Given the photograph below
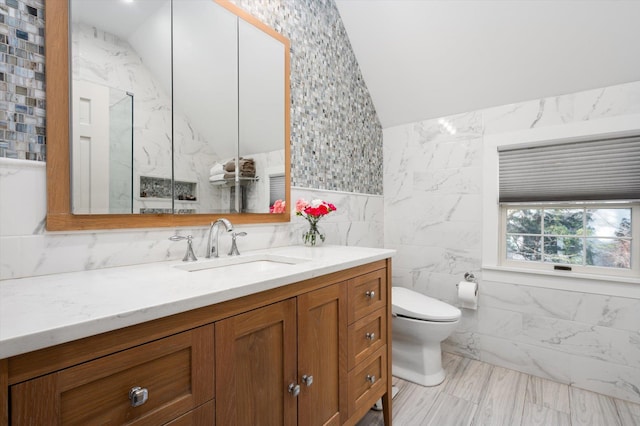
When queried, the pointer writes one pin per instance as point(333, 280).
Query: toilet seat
point(411, 304)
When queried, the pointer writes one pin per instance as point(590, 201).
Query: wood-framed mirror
point(60, 199)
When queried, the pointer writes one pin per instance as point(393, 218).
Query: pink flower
point(301, 204)
point(278, 207)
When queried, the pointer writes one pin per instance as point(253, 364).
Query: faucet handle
point(189, 255)
point(234, 245)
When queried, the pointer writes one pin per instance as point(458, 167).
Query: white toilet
point(420, 323)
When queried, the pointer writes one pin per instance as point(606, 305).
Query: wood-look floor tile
point(589, 408)
point(413, 402)
point(503, 399)
point(450, 364)
point(629, 412)
point(447, 410)
point(547, 393)
point(540, 401)
point(469, 380)
point(538, 415)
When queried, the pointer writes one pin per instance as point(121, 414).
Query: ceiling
point(425, 59)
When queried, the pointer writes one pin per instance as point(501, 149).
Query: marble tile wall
point(27, 250)
point(433, 217)
point(334, 127)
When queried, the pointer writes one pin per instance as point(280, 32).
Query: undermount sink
point(249, 264)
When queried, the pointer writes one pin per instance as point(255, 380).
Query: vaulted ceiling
point(424, 59)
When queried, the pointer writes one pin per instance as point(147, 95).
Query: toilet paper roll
point(468, 294)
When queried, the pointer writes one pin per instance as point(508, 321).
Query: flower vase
point(313, 236)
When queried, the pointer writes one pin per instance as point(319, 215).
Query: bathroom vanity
point(281, 337)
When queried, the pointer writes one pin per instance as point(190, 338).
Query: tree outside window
point(571, 236)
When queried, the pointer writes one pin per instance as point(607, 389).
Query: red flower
point(315, 209)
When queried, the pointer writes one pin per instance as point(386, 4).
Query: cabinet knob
point(294, 389)
point(370, 336)
point(138, 396)
point(308, 380)
point(371, 379)
point(370, 294)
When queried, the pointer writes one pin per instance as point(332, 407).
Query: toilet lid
point(409, 303)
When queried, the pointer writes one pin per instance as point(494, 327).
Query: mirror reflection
point(177, 107)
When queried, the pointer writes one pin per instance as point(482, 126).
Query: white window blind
point(603, 169)
point(276, 188)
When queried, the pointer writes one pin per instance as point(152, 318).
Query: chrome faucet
point(234, 244)
point(212, 240)
point(189, 256)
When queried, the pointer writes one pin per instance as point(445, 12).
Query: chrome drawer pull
point(371, 379)
point(138, 396)
point(370, 294)
point(294, 389)
point(370, 336)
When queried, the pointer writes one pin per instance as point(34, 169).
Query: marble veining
point(28, 250)
point(433, 207)
point(42, 311)
point(104, 59)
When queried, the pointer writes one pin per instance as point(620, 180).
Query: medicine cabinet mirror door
point(163, 94)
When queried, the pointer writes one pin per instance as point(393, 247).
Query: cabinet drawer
point(203, 415)
point(367, 381)
point(367, 293)
point(177, 373)
point(365, 336)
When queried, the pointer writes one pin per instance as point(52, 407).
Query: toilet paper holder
point(468, 292)
point(469, 277)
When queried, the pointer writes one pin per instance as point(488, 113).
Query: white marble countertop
point(39, 312)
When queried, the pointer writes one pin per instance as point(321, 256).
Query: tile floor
point(477, 393)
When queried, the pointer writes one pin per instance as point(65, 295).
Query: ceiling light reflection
point(447, 126)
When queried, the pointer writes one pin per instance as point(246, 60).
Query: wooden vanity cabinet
point(166, 378)
point(285, 364)
point(368, 344)
point(315, 352)
point(322, 356)
point(256, 362)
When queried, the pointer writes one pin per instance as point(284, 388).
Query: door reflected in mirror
point(177, 107)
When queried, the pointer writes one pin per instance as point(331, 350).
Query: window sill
point(569, 281)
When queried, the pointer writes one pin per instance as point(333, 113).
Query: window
point(571, 205)
point(596, 238)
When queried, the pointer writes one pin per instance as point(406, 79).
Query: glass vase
point(313, 236)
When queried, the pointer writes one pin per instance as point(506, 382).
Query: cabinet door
point(322, 336)
point(255, 364)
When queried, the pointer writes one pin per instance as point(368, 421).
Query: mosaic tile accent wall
point(22, 96)
point(336, 136)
